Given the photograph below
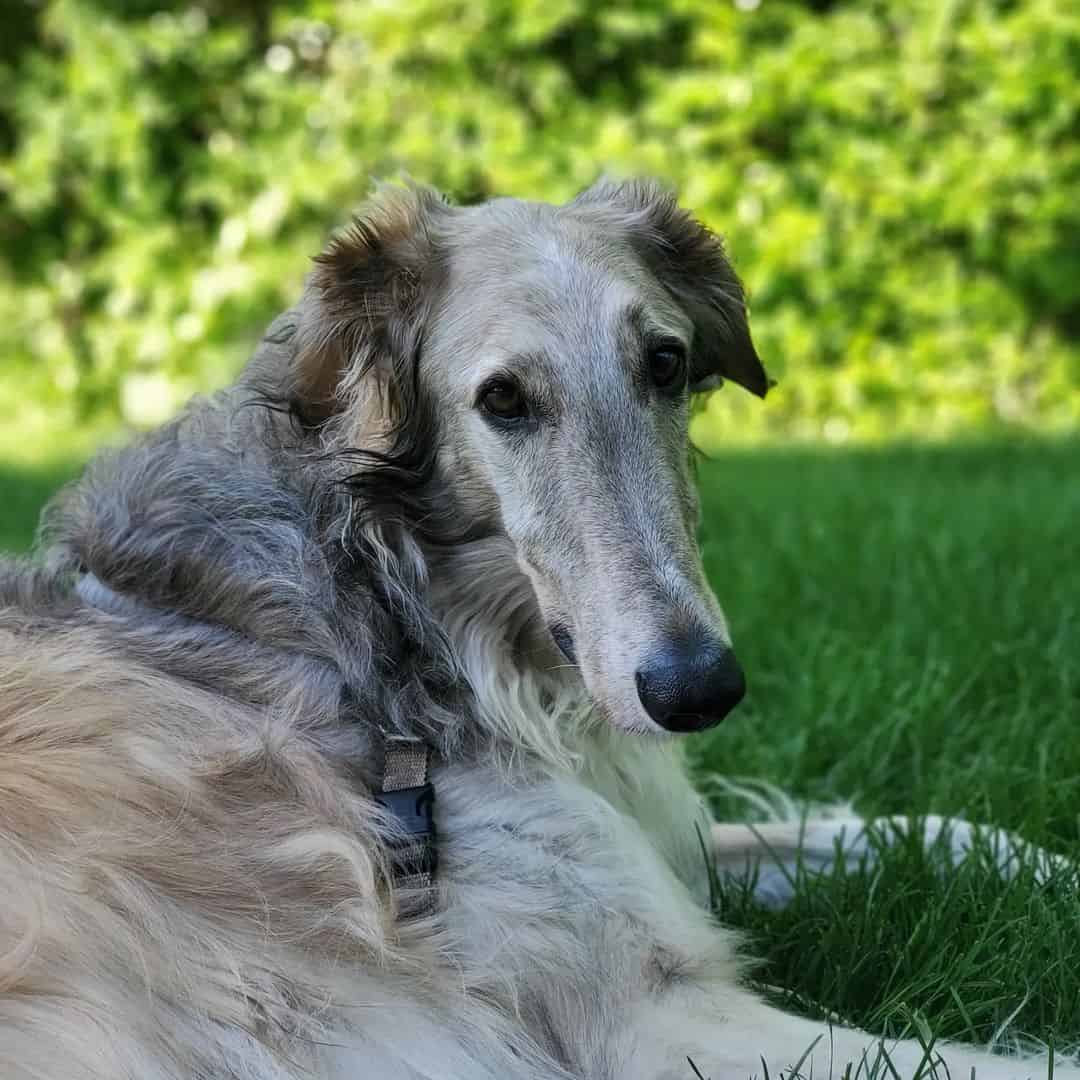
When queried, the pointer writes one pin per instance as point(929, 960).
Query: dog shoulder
point(160, 843)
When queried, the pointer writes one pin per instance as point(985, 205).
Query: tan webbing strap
point(405, 763)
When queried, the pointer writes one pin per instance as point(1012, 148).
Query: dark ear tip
point(754, 377)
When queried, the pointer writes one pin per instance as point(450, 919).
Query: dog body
point(450, 500)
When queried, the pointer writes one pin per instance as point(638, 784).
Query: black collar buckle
point(413, 810)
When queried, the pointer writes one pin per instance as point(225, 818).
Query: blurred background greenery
point(899, 184)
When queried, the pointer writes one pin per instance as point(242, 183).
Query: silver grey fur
point(192, 879)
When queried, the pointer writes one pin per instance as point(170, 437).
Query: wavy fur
point(196, 669)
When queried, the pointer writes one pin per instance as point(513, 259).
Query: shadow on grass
point(24, 490)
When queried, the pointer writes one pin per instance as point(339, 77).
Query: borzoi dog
point(335, 716)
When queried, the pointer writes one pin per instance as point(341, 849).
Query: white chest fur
point(571, 904)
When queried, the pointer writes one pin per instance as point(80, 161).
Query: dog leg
point(774, 851)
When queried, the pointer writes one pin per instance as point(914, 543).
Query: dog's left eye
point(502, 398)
point(667, 364)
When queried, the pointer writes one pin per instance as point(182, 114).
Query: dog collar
point(409, 797)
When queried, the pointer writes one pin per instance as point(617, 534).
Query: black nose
point(690, 686)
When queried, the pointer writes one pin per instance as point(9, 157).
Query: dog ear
point(689, 260)
point(364, 306)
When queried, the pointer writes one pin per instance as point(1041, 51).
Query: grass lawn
point(23, 490)
point(910, 623)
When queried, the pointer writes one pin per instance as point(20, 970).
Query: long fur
point(197, 671)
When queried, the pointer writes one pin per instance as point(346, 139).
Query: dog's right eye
point(667, 362)
point(503, 399)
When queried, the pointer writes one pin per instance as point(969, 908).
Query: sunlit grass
point(910, 623)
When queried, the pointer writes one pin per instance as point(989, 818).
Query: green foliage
point(898, 182)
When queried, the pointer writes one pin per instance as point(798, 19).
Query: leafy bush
point(899, 184)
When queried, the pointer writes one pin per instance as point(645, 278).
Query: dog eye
point(503, 398)
point(667, 364)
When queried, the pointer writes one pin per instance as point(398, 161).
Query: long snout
point(625, 596)
point(690, 684)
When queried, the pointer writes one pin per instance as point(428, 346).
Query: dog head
point(534, 364)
